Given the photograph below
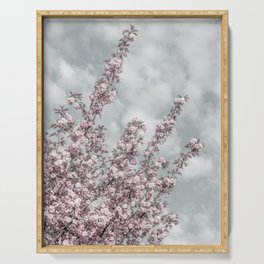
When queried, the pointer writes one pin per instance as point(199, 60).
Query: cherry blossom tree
point(96, 196)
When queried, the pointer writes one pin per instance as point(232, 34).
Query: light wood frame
point(157, 249)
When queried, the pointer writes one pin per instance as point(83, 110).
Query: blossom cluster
point(94, 196)
point(104, 92)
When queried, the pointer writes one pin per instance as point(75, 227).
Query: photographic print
point(132, 132)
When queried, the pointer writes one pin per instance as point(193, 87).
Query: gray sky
point(169, 57)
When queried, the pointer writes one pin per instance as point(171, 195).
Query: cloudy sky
point(169, 57)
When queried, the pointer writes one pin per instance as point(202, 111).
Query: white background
point(18, 130)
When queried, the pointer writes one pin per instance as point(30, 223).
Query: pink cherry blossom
point(93, 196)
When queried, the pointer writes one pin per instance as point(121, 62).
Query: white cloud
point(195, 228)
point(198, 167)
